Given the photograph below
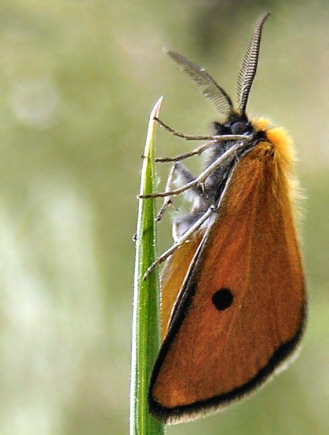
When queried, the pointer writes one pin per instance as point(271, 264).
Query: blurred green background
point(77, 82)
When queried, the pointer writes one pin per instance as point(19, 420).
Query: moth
point(233, 293)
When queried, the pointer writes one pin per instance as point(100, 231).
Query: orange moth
point(233, 298)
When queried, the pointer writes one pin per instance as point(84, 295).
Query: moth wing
point(212, 356)
point(172, 277)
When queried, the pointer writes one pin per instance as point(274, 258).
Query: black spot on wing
point(222, 299)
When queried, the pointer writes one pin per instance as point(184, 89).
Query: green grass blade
point(146, 324)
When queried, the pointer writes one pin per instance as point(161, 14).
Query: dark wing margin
point(249, 65)
point(211, 90)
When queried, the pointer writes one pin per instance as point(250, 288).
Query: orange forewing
point(172, 277)
point(212, 357)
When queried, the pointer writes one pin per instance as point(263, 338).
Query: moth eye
point(222, 299)
point(239, 127)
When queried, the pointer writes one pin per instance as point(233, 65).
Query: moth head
point(234, 125)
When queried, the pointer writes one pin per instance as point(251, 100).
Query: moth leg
point(196, 151)
point(197, 182)
point(182, 240)
point(185, 177)
point(216, 138)
point(167, 201)
point(199, 150)
point(185, 136)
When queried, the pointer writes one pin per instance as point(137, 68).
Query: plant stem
point(146, 324)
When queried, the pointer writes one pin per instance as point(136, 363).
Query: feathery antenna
point(249, 65)
point(211, 90)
